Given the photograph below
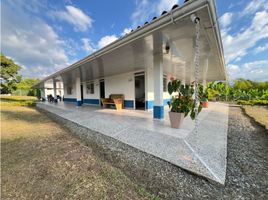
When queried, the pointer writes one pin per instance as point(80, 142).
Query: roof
point(166, 18)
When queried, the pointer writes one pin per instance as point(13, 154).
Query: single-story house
point(140, 64)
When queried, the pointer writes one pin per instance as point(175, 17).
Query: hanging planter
point(182, 103)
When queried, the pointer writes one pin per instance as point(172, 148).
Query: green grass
point(18, 100)
point(41, 160)
point(253, 102)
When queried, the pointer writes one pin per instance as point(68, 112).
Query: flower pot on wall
point(176, 119)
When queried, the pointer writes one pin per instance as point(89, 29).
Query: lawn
point(41, 160)
point(259, 113)
point(17, 100)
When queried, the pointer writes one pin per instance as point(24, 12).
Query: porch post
point(78, 91)
point(54, 88)
point(158, 86)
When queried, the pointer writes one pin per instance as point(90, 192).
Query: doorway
point(102, 89)
point(82, 93)
point(140, 91)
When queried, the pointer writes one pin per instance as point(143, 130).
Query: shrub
point(253, 102)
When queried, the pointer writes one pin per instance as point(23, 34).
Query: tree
point(26, 86)
point(9, 75)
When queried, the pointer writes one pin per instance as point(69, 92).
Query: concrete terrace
point(203, 153)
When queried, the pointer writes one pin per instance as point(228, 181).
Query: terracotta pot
point(204, 104)
point(176, 119)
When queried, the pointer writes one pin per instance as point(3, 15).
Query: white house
point(139, 64)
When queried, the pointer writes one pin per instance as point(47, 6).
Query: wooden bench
point(116, 100)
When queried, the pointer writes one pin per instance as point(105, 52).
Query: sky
point(44, 36)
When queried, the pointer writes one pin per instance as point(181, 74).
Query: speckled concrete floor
point(203, 153)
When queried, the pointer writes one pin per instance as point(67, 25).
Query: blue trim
point(69, 99)
point(165, 102)
point(158, 112)
point(128, 103)
point(92, 101)
point(149, 105)
point(79, 103)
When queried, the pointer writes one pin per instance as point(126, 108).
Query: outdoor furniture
point(116, 100)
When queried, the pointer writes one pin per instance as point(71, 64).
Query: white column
point(158, 86)
point(78, 91)
point(54, 88)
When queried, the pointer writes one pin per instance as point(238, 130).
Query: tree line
point(12, 82)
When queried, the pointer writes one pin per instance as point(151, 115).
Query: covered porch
point(203, 153)
point(163, 47)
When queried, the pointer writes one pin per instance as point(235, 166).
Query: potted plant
point(203, 96)
point(181, 103)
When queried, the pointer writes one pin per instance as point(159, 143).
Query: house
point(139, 64)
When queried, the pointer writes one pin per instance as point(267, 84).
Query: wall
point(121, 84)
point(70, 97)
point(93, 99)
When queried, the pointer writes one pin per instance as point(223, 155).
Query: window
point(164, 83)
point(69, 90)
point(90, 88)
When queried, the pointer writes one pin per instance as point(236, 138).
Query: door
point(82, 94)
point(102, 89)
point(140, 92)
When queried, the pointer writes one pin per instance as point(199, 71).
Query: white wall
point(121, 84)
point(96, 94)
point(73, 95)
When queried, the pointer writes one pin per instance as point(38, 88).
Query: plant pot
point(204, 104)
point(176, 119)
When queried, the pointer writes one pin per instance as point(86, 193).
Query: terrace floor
point(203, 153)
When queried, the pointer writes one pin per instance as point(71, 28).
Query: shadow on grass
point(31, 117)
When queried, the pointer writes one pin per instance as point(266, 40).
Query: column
point(78, 91)
point(54, 88)
point(158, 109)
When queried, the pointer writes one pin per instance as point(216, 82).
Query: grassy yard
point(40, 160)
point(259, 113)
point(17, 100)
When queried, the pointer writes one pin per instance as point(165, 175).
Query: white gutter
point(162, 21)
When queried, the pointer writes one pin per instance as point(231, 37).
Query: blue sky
point(44, 36)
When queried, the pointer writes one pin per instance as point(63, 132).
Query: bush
point(18, 101)
point(253, 102)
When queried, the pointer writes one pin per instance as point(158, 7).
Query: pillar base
point(79, 103)
point(158, 112)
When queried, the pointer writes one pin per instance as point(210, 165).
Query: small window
point(90, 88)
point(164, 83)
point(69, 90)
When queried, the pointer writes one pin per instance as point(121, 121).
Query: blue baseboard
point(150, 104)
point(158, 112)
point(79, 103)
point(128, 103)
point(69, 100)
point(92, 101)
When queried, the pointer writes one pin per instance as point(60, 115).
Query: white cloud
point(255, 6)
point(88, 45)
point(31, 42)
point(261, 48)
point(125, 31)
point(146, 9)
point(256, 70)
point(104, 41)
point(75, 17)
point(237, 45)
point(226, 19)
point(165, 5)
